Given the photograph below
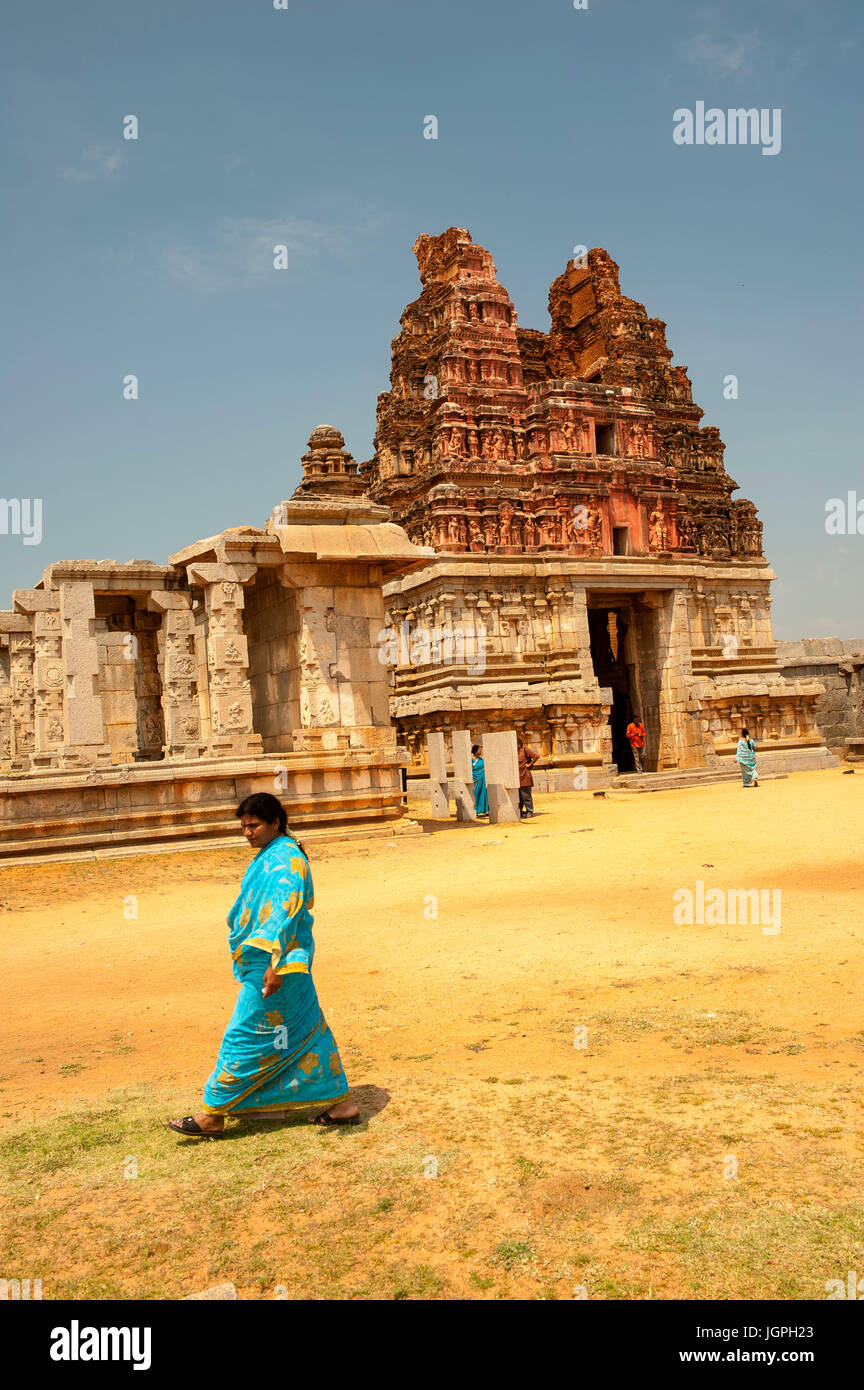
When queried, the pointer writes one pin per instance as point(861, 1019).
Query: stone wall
point(838, 663)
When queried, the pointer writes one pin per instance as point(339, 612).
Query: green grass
point(624, 1195)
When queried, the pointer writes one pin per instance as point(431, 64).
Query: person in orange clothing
point(636, 739)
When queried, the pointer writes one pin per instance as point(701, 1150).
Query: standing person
point(478, 768)
point(745, 756)
point(636, 739)
point(527, 759)
point(277, 1052)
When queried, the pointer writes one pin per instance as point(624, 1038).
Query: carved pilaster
point(178, 674)
point(22, 701)
point(5, 701)
point(49, 685)
point(227, 658)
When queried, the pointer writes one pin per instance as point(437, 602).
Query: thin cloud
point(240, 252)
point(96, 162)
point(724, 58)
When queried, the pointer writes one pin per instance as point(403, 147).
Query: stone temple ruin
point(589, 551)
point(545, 505)
point(139, 701)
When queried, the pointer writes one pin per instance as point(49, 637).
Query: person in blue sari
point(478, 768)
point(745, 756)
point(278, 1053)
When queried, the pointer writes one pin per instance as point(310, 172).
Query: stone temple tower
point(587, 535)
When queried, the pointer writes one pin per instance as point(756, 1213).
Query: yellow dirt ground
point(707, 1142)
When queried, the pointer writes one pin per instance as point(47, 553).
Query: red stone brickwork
point(583, 441)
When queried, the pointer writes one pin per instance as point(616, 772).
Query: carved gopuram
point(591, 556)
point(139, 701)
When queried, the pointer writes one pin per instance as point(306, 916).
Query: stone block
point(462, 763)
point(503, 802)
point(356, 664)
point(359, 603)
point(355, 703)
point(437, 757)
point(463, 792)
point(501, 759)
point(49, 673)
point(351, 630)
point(47, 624)
point(380, 704)
point(228, 649)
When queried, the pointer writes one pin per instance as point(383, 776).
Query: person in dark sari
point(278, 1053)
point(478, 769)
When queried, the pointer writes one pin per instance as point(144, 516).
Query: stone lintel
point(35, 600)
point(14, 622)
point(108, 576)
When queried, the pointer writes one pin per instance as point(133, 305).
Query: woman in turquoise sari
point(278, 1053)
point(478, 768)
point(746, 759)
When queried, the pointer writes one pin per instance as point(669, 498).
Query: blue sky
point(305, 126)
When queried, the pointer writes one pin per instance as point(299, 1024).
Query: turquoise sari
point(746, 758)
point(277, 1053)
point(481, 800)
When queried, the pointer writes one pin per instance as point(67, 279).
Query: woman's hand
point(272, 982)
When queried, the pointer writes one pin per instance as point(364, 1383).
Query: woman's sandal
point(190, 1126)
point(325, 1118)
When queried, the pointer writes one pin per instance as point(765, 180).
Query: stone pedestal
point(438, 797)
point(463, 777)
point(502, 776)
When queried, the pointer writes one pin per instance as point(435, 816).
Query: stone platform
point(160, 806)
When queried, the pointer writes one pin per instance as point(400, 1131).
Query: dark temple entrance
point(610, 629)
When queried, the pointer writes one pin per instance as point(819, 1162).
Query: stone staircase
point(676, 778)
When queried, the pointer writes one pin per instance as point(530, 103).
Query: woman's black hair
point(475, 747)
point(744, 733)
point(266, 807)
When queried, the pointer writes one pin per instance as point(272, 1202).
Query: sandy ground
point(470, 959)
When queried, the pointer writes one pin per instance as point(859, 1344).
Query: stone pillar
point(232, 731)
point(5, 701)
point(320, 674)
point(438, 797)
point(49, 681)
point(177, 669)
point(355, 619)
point(701, 623)
point(582, 637)
point(41, 610)
point(681, 743)
point(463, 775)
point(21, 701)
point(502, 776)
point(85, 727)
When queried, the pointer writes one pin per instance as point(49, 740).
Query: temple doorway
point(271, 621)
point(127, 642)
point(630, 655)
point(610, 646)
